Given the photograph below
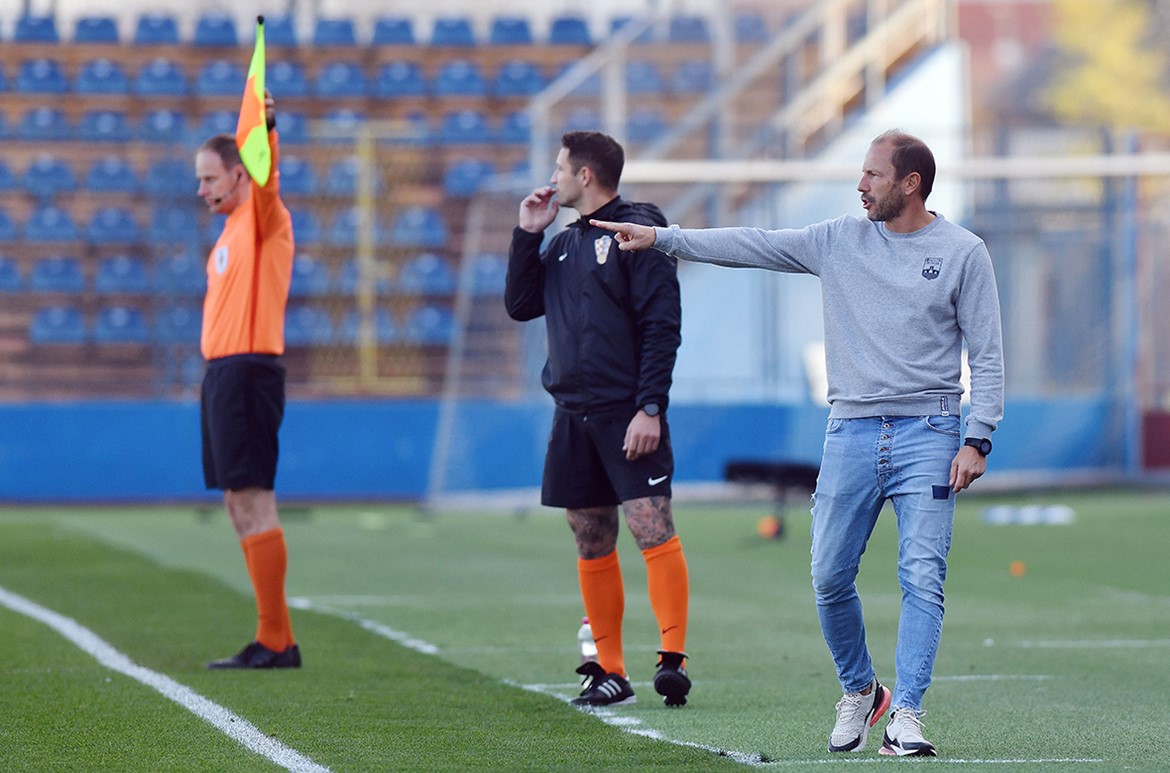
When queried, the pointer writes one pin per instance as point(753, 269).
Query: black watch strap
point(980, 444)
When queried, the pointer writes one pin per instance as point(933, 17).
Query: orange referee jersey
point(248, 274)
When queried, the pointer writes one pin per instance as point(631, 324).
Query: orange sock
point(605, 604)
point(669, 586)
point(267, 559)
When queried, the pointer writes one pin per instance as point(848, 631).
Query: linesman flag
point(252, 129)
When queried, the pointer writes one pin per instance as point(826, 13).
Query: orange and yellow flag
point(252, 129)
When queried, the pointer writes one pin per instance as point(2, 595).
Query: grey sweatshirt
point(897, 308)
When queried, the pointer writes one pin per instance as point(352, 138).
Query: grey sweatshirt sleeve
point(979, 321)
point(793, 251)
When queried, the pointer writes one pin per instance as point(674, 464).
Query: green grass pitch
point(1060, 666)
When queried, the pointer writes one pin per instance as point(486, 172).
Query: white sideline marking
point(374, 627)
point(232, 725)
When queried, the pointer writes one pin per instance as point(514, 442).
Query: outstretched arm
point(630, 236)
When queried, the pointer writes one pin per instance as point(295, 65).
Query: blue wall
point(356, 449)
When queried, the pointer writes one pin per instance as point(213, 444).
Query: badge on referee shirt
point(601, 248)
point(221, 259)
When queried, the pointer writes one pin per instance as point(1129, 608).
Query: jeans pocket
point(835, 426)
point(943, 425)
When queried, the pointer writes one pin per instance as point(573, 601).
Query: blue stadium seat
point(41, 76)
point(111, 175)
point(418, 226)
point(50, 223)
point(342, 79)
point(286, 79)
point(45, 123)
point(460, 77)
point(218, 122)
point(510, 31)
point(645, 125)
point(95, 29)
point(7, 179)
point(170, 178)
point(58, 325)
point(581, 119)
point(297, 178)
point(306, 228)
point(693, 76)
point(120, 325)
point(515, 128)
point(101, 76)
point(385, 328)
point(47, 176)
point(212, 230)
point(156, 29)
point(219, 78)
point(400, 79)
point(104, 126)
point(310, 277)
point(393, 31)
point(750, 27)
point(618, 22)
point(181, 274)
point(348, 280)
point(215, 29)
point(341, 179)
point(343, 231)
point(591, 87)
point(414, 129)
point(644, 77)
point(112, 225)
point(488, 272)
point(688, 29)
point(426, 274)
point(518, 78)
point(342, 126)
point(178, 324)
point(7, 227)
point(293, 127)
point(334, 32)
point(280, 31)
point(161, 78)
point(464, 127)
point(3, 87)
point(570, 31)
point(430, 325)
point(173, 225)
point(11, 279)
point(162, 126)
point(58, 274)
point(452, 31)
point(307, 326)
point(36, 29)
point(465, 177)
point(122, 274)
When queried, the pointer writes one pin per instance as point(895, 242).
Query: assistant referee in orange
point(242, 404)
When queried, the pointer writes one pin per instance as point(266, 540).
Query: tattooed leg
point(650, 521)
point(595, 529)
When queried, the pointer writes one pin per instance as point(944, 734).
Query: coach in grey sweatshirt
point(903, 289)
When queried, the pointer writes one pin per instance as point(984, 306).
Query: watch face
point(650, 409)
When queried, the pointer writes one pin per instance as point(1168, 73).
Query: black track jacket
point(613, 317)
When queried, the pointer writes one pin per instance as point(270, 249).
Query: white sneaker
point(903, 736)
point(856, 714)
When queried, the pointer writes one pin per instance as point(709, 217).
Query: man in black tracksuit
point(613, 322)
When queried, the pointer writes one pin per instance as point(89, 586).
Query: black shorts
point(586, 467)
point(241, 409)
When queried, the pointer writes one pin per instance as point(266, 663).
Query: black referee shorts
point(241, 410)
point(586, 467)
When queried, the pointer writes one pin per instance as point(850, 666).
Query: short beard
point(888, 209)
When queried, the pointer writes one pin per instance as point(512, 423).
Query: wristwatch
point(980, 444)
point(650, 409)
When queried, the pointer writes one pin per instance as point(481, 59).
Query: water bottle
point(585, 642)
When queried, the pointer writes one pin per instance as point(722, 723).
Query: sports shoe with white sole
point(856, 714)
point(603, 689)
point(903, 737)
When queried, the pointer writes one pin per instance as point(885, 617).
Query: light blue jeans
point(906, 459)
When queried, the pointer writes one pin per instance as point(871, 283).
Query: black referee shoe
point(603, 689)
point(671, 681)
point(256, 655)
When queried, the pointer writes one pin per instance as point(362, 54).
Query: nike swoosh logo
point(562, 257)
point(656, 481)
point(671, 628)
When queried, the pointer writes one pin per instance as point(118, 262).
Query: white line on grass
point(232, 725)
point(374, 627)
